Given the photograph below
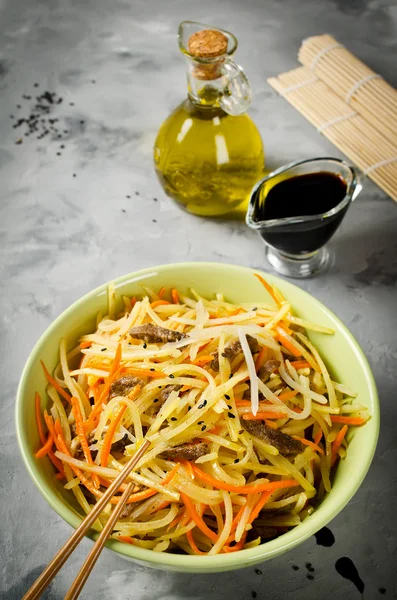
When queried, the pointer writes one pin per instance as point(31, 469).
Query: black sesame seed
point(12, 117)
point(156, 400)
point(189, 408)
point(201, 405)
point(241, 431)
point(230, 376)
point(123, 210)
point(258, 572)
point(71, 103)
point(255, 308)
point(382, 590)
point(103, 349)
point(152, 369)
point(128, 196)
point(154, 220)
point(65, 131)
point(145, 345)
point(310, 577)
point(236, 461)
point(155, 199)
point(19, 106)
point(254, 594)
point(59, 154)
point(230, 407)
point(227, 397)
point(172, 376)
point(62, 146)
point(200, 422)
point(174, 419)
point(36, 85)
point(231, 415)
point(203, 428)
point(93, 81)
point(74, 174)
point(136, 193)
point(295, 567)
point(309, 567)
point(82, 122)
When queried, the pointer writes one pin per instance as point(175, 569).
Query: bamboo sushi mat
point(349, 104)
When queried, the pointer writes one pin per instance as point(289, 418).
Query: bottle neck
point(206, 83)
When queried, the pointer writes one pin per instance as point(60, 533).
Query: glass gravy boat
point(295, 245)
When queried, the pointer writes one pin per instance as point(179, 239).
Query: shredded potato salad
point(244, 421)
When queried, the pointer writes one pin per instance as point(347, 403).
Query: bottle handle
point(237, 95)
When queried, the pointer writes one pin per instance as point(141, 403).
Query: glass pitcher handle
point(237, 94)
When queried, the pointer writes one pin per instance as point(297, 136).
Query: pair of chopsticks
point(63, 554)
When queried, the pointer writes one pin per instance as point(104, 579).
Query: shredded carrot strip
point(60, 476)
point(192, 543)
point(286, 343)
point(248, 403)
point(61, 445)
point(85, 345)
point(133, 301)
point(239, 546)
point(144, 373)
point(188, 466)
point(268, 288)
point(271, 424)
point(309, 443)
point(203, 360)
point(54, 383)
point(175, 296)
point(263, 415)
point(159, 303)
point(126, 538)
point(162, 505)
point(337, 443)
point(347, 420)
point(37, 408)
point(170, 476)
point(135, 497)
point(318, 437)
point(260, 504)
point(217, 429)
point(243, 489)
point(186, 388)
point(197, 519)
point(175, 521)
point(300, 364)
point(162, 292)
point(55, 461)
point(46, 448)
point(260, 359)
point(114, 371)
point(107, 441)
point(82, 437)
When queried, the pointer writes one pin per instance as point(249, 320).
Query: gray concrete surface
point(62, 235)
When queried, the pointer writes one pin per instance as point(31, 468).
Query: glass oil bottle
point(209, 154)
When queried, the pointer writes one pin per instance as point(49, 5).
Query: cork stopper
point(207, 43)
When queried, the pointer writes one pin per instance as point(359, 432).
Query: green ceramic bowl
point(342, 354)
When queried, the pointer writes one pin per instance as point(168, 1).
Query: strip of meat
point(264, 373)
point(233, 350)
point(284, 443)
point(268, 368)
point(186, 451)
point(123, 386)
point(165, 392)
point(155, 334)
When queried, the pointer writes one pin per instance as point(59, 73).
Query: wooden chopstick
point(63, 554)
point(93, 556)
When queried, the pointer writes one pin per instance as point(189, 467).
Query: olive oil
point(207, 159)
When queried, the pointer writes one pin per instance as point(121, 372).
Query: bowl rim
point(189, 563)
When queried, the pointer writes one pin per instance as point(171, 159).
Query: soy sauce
point(301, 196)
